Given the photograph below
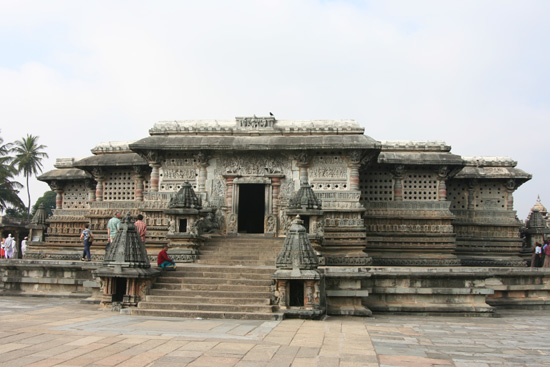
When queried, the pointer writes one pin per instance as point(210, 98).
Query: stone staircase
point(232, 280)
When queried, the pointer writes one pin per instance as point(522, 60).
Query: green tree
point(48, 199)
point(28, 159)
point(9, 189)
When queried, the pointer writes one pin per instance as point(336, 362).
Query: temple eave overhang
point(64, 175)
point(111, 160)
point(255, 143)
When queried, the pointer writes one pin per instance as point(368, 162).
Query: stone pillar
point(398, 178)
point(276, 184)
point(471, 194)
point(510, 188)
point(354, 165)
point(59, 198)
point(90, 185)
point(303, 164)
point(229, 193)
point(155, 176)
point(99, 176)
point(138, 183)
point(202, 158)
point(442, 176)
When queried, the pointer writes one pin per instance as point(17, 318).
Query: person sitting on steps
point(164, 261)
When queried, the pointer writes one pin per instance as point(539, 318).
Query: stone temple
point(368, 207)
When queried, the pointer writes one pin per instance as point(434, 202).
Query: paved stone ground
point(59, 332)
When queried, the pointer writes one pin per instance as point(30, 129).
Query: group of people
point(541, 255)
point(113, 226)
point(9, 249)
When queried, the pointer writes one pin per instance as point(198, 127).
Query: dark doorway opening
point(296, 296)
point(183, 225)
point(120, 289)
point(251, 208)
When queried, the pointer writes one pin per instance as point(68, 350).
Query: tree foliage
point(48, 199)
point(9, 188)
point(28, 159)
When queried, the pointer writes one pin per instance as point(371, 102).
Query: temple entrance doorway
point(251, 208)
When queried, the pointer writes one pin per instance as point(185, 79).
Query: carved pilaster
point(472, 184)
point(276, 184)
point(90, 186)
point(99, 177)
point(442, 177)
point(397, 173)
point(155, 176)
point(138, 183)
point(58, 188)
point(303, 162)
point(202, 159)
point(229, 193)
point(510, 188)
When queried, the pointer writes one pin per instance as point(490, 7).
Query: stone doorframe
point(272, 184)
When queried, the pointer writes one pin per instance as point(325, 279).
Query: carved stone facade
point(391, 203)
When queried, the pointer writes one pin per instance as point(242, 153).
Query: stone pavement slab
point(62, 332)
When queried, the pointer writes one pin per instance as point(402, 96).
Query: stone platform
point(462, 291)
point(62, 332)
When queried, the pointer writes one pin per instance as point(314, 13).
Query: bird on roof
point(270, 114)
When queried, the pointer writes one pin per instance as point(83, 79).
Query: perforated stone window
point(420, 187)
point(328, 171)
point(119, 185)
point(376, 186)
point(490, 195)
point(457, 192)
point(75, 195)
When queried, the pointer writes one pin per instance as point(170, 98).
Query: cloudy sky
point(472, 73)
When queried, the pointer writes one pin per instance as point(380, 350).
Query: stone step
point(207, 307)
point(213, 293)
point(213, 300)
point(208, 314)
point(236, 262)
point(224, 275)
point(211, 287)
point(189, 268)
point(212, 280)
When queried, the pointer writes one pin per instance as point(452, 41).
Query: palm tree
point(9, 189)
point(28, 159)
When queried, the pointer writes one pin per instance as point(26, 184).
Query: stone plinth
point(411, 233)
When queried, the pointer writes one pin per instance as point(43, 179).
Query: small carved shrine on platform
point(183, 230)
point(126, 272)
point(38, 226)
point(306, 204)
point(299, 285)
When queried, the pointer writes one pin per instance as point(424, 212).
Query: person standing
point(9, 245)
point(112, 229)
point(24, 246)
point(3, 248)
point(87, 236)
point(141, 227)
point(164, 261)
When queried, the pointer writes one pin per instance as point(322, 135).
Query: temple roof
point(418, 153)
point(64, 174)
point(259, 142)
point(111, 160)
point(492, 167)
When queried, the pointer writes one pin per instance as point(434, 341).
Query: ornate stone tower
point(298, 283)
point(125, 272)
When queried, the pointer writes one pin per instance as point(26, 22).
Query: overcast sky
point(474, 74)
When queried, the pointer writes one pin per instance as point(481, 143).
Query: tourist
point(87, 236)
point(537, 258)
point(24, 246)
point(546, 252)
point(164, 261)
point(112, 228)
point(141, 227)
point(9, 246)
point(2, 248)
